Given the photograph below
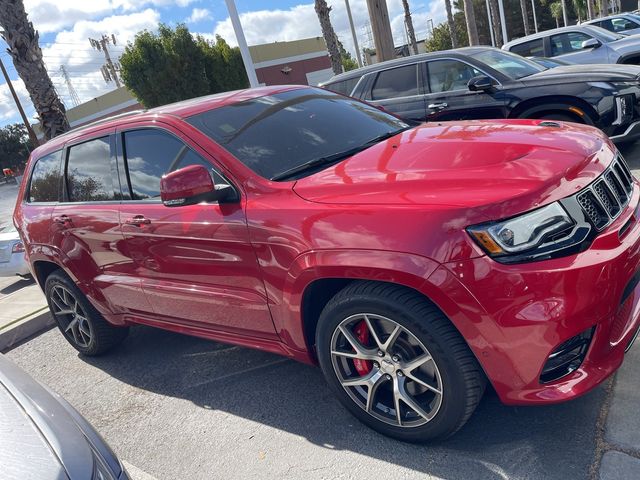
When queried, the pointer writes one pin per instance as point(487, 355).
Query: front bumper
point(516, 315)
point(631, 133)
point(17, 265)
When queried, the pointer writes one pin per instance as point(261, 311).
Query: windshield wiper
point(336, 157)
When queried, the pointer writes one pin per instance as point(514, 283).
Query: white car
point(623, 23)
point(12, 261)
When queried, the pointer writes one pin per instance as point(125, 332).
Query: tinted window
point(397, 82)
point(345, 87)
point(45, 180)
point(152, 153)
point(89, 176)
point(278, 132)
point(533, 48)
point(447, 75)
point(621, 24)
point(567, 43)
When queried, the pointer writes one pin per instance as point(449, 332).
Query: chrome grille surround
point(605, 198)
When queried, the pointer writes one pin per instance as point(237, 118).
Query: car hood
point(585, 73)
point(499, 168)
point(630, 44)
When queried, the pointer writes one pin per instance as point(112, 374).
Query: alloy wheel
point(386, 370)
point(70, 314)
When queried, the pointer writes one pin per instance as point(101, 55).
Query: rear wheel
point(397, 363)
point(80, 323)
point(563, 117)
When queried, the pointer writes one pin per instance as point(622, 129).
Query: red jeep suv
point(413, 264)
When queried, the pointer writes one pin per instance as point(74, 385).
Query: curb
point(24, 327)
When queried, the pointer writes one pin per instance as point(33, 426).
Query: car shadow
point(17, 285)
point(498, 442)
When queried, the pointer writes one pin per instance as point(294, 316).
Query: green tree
point(14, 146)
point(556, 12)
point(440, 38)
point(223, 65)
point(348, 62)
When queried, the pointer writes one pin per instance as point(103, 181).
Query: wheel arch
point(556, 104)
point(42, 269)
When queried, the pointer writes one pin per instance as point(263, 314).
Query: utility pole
point(353, 34)
point(75, 99)
point(535, 19)
point(382, 36)
point(242, 43)
point(564, 12)
point(109, 69)
point(493, 37)
point(32, 134)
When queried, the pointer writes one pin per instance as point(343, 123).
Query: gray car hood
point(586, 73)
point(630, 44)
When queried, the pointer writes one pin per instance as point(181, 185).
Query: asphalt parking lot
point(176, 407)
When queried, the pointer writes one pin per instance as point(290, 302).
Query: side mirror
point(591, 43)
point(480, 83)
point(191, 185)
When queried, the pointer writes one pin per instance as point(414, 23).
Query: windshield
point(277, 133)
point(605, 36)
point(509, 64)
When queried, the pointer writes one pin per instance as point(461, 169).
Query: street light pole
point(242, 43)
point(535, 20)
point(503, 21)
point(493, 37)
point(353, 34)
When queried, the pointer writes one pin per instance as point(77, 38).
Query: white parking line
point(137, 474)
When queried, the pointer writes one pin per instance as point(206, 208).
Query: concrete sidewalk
point(621, 440)
point(23, 310)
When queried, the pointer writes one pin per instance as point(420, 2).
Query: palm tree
point(556, 12)
point(409, 23)
point(580, 8)
point(525, 17)
point(495, 19)
point(591, 9)
point(470, 18)
point(24, 49)
point(604, 6)
point(451, 23)
point(322, 10)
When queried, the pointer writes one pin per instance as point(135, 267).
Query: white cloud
point(8, 110)
point(301, 21)
point(198, 15)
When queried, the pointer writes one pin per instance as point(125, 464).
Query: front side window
point(507, 63)
point(88, 172)
point(150, 153)
point(45, 179)
point(275, 133)
point(448, 75)
point(396, 82)
point(567, 43)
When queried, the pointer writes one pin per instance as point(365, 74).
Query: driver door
point(449, 97)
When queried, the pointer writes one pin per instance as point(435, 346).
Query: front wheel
point(396, 362)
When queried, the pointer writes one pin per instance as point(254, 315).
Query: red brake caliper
point(362, 334)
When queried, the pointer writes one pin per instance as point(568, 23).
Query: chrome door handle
point(62, 220)
point(438, 106)
point(137, 221)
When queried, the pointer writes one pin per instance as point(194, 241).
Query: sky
point(66, 25)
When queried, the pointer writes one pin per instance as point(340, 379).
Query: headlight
point(624, 109)
point(546, 226)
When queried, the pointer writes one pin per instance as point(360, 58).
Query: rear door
point(196, 263)
point(398, 90)
point(87, 225)
point(449, 97)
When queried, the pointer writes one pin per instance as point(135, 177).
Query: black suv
point(484, 82)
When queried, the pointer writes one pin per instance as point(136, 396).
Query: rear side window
point(45, 179)
point(88, 172)
point(533, 48)
point(344, 87)
point(152, 153)
point(396, 82)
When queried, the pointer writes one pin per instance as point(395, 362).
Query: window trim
point(122, 160)
point(65, 198)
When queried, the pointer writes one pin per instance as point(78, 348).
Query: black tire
point(462, 380)
point(102, 335)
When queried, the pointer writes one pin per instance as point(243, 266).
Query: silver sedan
point(12, 261)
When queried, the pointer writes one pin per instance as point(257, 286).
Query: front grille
point(607, 197)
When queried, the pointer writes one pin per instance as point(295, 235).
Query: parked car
point(413, 264)
point(12, 259)
point(484, 82)
point(622, 23)
point(44, 437)
point(582, 44)
point(549, 62)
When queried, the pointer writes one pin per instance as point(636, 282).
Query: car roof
point(546, 33)
point(183, 109)
point(617, 15)
point(458, 52)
